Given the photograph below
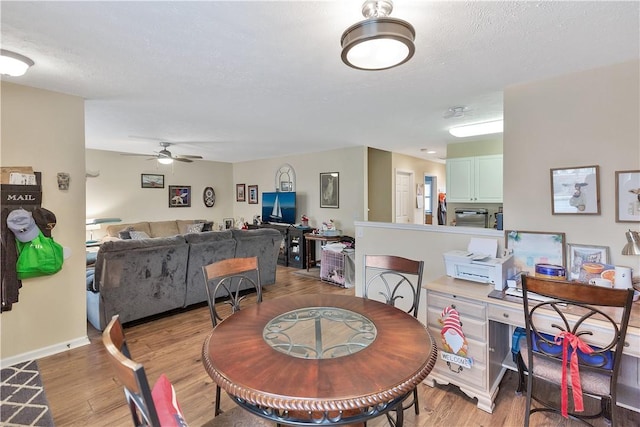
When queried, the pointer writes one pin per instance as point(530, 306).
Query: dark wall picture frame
point(329, 190)
point(253, 194)
point(241, 193)
point(628, 196)
point(149, 180)
point(179, 196)
point(535, 247)
point(575, 190)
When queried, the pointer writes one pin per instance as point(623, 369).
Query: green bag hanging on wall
point(41, 256)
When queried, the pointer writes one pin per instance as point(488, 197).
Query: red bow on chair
point(576, 344)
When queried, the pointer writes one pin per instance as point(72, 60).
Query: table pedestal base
point(324, 418)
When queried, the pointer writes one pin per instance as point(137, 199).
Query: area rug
point(22, 398)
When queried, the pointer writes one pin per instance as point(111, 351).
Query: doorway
point(430, 199)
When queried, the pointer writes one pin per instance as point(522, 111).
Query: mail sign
point(21, 195)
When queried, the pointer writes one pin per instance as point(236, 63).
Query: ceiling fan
point(165, 157)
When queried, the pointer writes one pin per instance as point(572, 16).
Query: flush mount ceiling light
point(476, 129)
point(378, 42)
point(13, 64)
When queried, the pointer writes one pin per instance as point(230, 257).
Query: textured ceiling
point(238, 80)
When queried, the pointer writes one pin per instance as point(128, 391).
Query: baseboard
point(44, 351)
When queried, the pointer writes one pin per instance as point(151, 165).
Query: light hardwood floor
point(83, 392)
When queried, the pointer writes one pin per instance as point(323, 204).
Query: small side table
point(309, 237)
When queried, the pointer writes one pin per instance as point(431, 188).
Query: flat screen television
point(279, 207)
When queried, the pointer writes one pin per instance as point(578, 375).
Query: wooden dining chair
point(227, 279)
point(557, 352)
point(149, 407)
point(395, 281)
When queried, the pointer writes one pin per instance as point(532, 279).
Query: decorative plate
point(209, 197)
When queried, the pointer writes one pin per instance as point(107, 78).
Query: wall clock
point(209, 197)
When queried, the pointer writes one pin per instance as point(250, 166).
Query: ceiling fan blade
point(179, 159)
point(135, 154)
point(188, 157)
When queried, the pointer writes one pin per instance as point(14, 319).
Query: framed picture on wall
point(179, 196)
point(149, 180)
point(575, 191)
point(240, 193)
point(329, 189)
point(628, 196)
point(253, 194)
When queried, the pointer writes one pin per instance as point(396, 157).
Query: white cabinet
point(483, 343)
point(475, 179)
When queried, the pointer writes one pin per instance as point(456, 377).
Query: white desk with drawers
point(488, 325)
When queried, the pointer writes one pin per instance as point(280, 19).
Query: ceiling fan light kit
point(13, 64)
point(477, 129)
point(165, 157)
point(378, 42)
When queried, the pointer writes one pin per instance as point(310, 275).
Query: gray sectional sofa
point(140, 278)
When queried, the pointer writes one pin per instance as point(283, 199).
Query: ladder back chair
point(227, 279)
point(566, 349)
point(149, 407)
point(395, 281)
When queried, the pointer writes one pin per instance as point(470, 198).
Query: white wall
point(350, 163)
point(581, 119)
point(117, 192)
point(587, 118)
point(45, 130)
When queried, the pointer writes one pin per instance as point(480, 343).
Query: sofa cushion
point(140, 278)
point(138, 235)
point(205, 248)
point(164, 228)
point(113, 230)
point(183, 225)
point(125, 234)
point(263, 243)
point(195, 228)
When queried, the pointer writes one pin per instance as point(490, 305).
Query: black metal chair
point(131, 375)
point(557, 342)
point(395, 281)
point(230, 279)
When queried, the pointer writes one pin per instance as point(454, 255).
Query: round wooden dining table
point(319, 359)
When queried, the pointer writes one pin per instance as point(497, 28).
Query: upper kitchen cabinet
point(475, 179)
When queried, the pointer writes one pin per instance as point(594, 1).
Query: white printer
point(480, 264)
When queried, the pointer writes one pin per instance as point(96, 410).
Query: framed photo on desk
point(535, 247)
